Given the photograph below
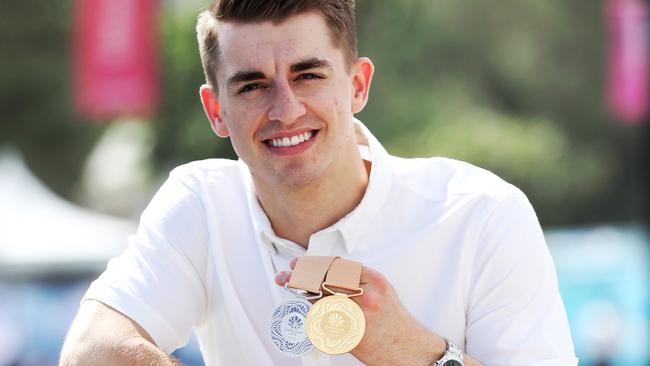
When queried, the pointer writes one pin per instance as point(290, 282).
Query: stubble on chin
point(295, 179)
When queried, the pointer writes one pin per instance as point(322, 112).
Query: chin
point(296, 180)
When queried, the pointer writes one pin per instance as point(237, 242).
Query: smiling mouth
point(294, 140)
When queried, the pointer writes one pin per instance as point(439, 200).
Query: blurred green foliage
point(183, 132)
point(515, 87)
point(36, 91)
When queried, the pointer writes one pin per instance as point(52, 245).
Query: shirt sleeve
point(158, 281)
point(515, 314)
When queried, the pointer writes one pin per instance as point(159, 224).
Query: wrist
point(430, 348)
point(453, 355)
point(439, 347)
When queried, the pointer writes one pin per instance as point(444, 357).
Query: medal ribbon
point(345, 274)
point(309, 272)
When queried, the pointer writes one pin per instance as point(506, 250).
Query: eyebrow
point(249, 75)
point(245, 76)
point(312, 63)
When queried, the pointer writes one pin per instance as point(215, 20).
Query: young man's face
point(286, 97)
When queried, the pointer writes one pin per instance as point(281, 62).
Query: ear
point(362, 72)
point(212, 109)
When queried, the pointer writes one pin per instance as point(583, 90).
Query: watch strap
point(452, 353)
point(454, 349)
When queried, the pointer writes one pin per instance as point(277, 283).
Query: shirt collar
point(262, 224)
point(351, 225)
point(379, 183)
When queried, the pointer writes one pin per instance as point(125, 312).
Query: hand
point(393, 336)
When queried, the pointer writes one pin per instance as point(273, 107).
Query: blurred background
point(99, 100)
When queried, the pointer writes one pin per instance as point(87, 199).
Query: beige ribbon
point(309, 272)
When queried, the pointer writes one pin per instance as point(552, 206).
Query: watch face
point(452, 363)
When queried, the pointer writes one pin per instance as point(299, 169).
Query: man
point(452, 254)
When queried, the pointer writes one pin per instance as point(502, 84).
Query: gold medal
point(335, 324)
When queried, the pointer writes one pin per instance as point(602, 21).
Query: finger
point(282, 277)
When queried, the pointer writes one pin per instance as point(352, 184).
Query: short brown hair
point(339, 15)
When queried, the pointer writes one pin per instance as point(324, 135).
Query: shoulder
point(442, 179)
point(200, 174)
point(195, 184)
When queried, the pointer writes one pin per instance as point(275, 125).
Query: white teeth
point(291, 141)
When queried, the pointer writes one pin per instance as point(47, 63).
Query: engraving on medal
point(335, 324)
point(292, 328)
point(288, 332)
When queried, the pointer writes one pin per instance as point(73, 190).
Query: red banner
point(116, 66)
point(627, 90)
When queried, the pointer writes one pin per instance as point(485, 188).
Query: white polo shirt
point(462, 248)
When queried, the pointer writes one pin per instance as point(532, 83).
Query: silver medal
point(288, 326)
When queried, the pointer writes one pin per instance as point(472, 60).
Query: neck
point(297, 214)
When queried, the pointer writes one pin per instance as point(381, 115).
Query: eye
point(249, 88)
point(309, 76)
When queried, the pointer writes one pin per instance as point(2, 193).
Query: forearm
point(135, 351)
point(417, 346)
point(428, 347)
point(101, 335)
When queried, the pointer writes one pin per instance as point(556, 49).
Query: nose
point(285, 106)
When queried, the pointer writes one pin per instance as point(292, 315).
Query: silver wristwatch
point(453, 356)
